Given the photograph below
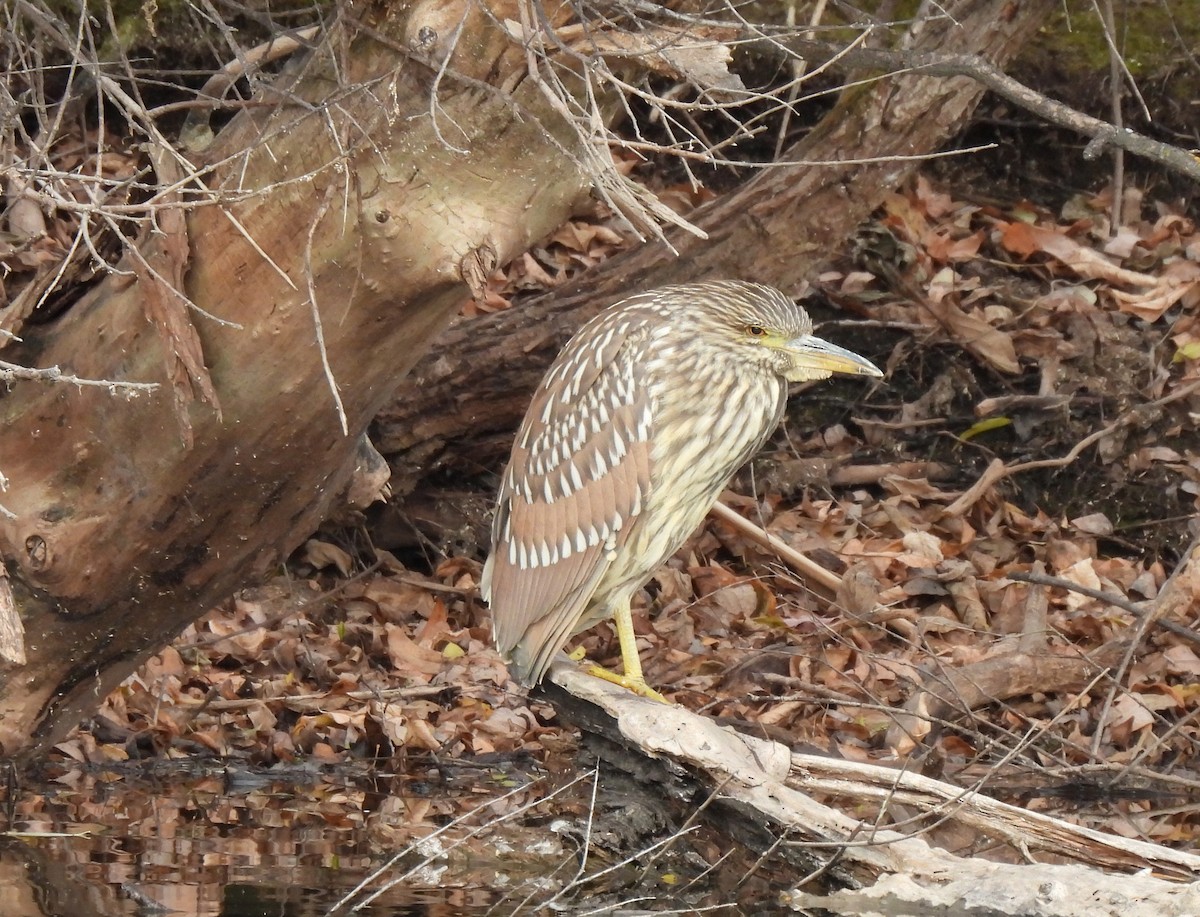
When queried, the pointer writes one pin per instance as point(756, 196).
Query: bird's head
point(767, 329)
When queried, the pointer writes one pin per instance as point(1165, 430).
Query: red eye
point(756, 330)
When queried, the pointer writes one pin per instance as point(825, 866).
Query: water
point(238, 844)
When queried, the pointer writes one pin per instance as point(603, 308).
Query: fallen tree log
point(762, 788)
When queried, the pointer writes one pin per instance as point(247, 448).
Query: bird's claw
point(635, 683)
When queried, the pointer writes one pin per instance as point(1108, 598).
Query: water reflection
point(237, 844)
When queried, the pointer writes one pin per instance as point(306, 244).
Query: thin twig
point(12, 371)
point(997, 471)
point(310, 279)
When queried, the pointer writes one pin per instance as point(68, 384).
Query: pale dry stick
point(584, 847)
point(434, 105)
point(792, 101)
point(709, 159)
point(997, 471)
point(136, 113)
point(1182, 586)
point(534, 39)
point(1117, 74)
point(306, 701)
point(11, 371)
point(64, 263)
point(951, 805)
point(252, 242)
point(809, 569)
point(632, 858)
point(963, 804)
point(1159, 741)
point(135, 254)
point(640, 208)
point(537, 883)
point(692, 818)
point(74, 55)
point(853, 780)
point(1169, 156)
point(388, 886)
point(1108, 28)
point(1184, 573)
point(319, 328)
point(799, 66)
point(187, 181)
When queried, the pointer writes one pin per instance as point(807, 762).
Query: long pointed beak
point(816, 358)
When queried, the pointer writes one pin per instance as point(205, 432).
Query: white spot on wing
point(618, 447)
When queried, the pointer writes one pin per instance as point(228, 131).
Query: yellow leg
point(633, 678)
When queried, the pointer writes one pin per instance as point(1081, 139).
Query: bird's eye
point(756, 331)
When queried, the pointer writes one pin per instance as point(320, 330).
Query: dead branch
point(934, 63)
point(1158, 609)
point(54, 374)
point(997, 471)
point(763, 780)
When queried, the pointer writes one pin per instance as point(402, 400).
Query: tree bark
point(376, 186)
point(458, 415)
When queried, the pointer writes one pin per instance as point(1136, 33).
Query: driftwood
point(884, 870)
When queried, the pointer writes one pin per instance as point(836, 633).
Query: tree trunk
point(357, 199)
point(778, 228)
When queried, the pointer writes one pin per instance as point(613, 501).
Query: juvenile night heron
point(631, 436)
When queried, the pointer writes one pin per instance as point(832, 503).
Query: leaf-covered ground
point(1036, 423)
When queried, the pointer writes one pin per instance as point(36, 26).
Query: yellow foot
point(635, 683)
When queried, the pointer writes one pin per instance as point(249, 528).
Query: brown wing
point(577, 480)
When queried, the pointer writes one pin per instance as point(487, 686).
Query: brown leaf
point(990, 344)
point(1025, 239)
point(1179, 280)
point(409, 657)
point(681, 54)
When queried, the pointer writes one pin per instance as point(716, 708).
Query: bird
point(628, 441)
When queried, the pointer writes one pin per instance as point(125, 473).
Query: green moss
point(1153, 38)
